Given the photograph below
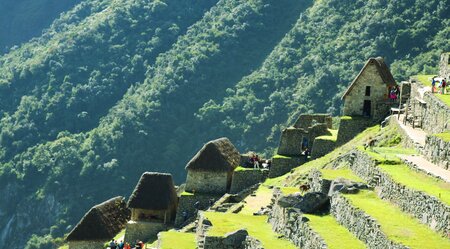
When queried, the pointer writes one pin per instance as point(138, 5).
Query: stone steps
point(380, 224)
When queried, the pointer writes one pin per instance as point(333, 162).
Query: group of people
point(393, 93)
point(124, 245)
point(255, 162)
point(441, 83)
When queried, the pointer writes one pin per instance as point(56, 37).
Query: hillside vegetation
point(115, 88)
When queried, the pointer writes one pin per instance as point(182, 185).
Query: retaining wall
point(186, 204)
point(428, 209)
point(321, 147)
point(282, 165)
point(291, 223)
point(364, 227)
point(437, 151)
point(243, 179)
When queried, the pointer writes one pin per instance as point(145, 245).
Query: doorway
point(367, 108)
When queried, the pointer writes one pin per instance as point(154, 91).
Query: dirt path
point(423, 164)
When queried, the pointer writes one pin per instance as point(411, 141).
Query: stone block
point(282, 165)
point(291, 142)
point(143, 230)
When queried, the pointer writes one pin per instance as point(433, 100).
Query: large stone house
point(367, 95)
point(99, 225)
point(153, 205)
point(444, 66)
point(211, 169)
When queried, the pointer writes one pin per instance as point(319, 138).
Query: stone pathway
point(423, 164)
point(418, 136)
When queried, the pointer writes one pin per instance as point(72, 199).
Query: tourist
point(444, 85)
point(127, 246)
point(266, 164)
point(113, 244)
point(138, 245)
point(256, 162)
point(121, 245)
point(393, 95)
point(306, 153)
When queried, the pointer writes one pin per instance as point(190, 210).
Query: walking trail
point(418, 136)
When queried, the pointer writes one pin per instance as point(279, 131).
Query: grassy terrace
point(332, 137)
point(414, 180)
point(256, 226)
point(331, 174)
point(445, 136)
point(398, 226)
point(339, 238)
point(426, 81)
point(177, 240)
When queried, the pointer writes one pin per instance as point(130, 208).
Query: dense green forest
point(21, 20)
point(115, 88)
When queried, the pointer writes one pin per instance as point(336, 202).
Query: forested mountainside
point(114, 88)
point(22, 20)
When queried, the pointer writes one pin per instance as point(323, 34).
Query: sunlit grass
point(177, 240)
point(398, 226)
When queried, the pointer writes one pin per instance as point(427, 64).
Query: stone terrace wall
point(437, 151)
point(252, 243)
point(186, 204)
point(243, 179)
point(350, 127)
point(428, 209)
point(306, 120)
point(436, 117)
point(282, 165)
point(317, 183)
point(321, 147)
point(290, 223)
point(364, 227)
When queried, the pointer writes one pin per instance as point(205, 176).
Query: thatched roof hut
point(154, 191)
point(218, 155)
point(102, 222)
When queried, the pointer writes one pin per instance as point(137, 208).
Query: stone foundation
point(282, 165)
point(290, 223)
point(86, 244)
point(145, 231)
point(321, 147)
point(364, 227)
point(243, 179)
point(186, 204)
point(349, 127)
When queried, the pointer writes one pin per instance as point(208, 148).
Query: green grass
point(346, 118)
point(254, 203)
point(240, 168)
point(444, 136)
point(177, 240)
point(280, 156)
point(64, 247)
point(118, 237)
point(418, 181)
point(289, 190)
point(256, 226)
point(426, 81)
point(335, 235)
point(388, 155)
point(398, 226)
point(186, 193)
point(331, 174)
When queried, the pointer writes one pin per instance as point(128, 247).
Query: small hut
point(99, 225)
point(368, 94)
point(211, 169)
point(154, 198)
point(153, 205)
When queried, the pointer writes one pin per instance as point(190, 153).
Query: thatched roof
point(216, 156)
point(154, 191)
point(382, 69)
point(101, 222)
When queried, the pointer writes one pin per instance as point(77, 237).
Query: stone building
point(367, 95)
point(153, 205)
point(99, 225)
point(444, 66)
point(211, 169)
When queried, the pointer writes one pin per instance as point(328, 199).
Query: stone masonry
point(437, 151)
point(444, 66)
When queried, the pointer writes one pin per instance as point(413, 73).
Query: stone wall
point(436, 116)
point(317, 183)
point(291, 141)
point(307, 120)
point(142, 230)
point(444, 66)
point(291, 223)
point(322, 146)
point(282, 165)
point(243, 179)
point(186, 204)
point(86, 244)
point(252, 243)
point(437, 151)
point(364, 227)
point(427, 209)
point(349, 127)
point(207, 182)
